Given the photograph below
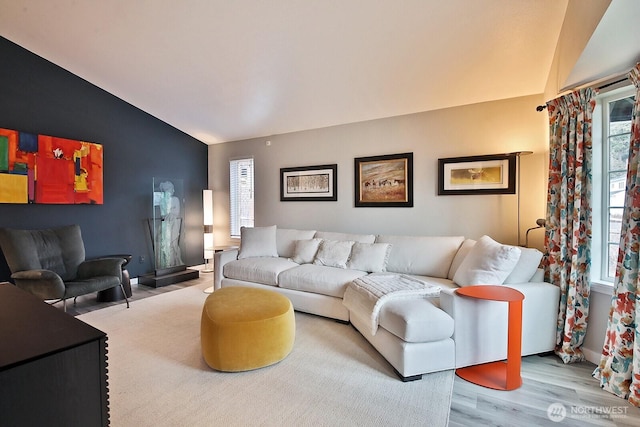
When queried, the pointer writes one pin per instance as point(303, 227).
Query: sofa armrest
point(481, 326)
point(219, 260)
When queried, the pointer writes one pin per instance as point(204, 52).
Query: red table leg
point(514, 346)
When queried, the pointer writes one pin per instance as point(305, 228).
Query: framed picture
point(309, 183)
point(384, 181)
point(491, 174)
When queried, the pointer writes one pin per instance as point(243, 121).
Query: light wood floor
point(547, 382)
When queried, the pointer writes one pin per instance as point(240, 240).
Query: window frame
point(601, 184)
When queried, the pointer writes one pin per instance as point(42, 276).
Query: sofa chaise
point(416, 334)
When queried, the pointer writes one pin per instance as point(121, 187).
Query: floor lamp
point(518, 154)
point(207, 209)
point(540, 223)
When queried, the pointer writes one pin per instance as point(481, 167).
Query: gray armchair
point(51, 264)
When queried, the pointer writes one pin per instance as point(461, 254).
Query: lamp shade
point(207, 210)
point(207, 206)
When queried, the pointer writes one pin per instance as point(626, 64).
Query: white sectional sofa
point(417, 335)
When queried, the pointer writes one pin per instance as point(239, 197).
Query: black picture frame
point(384, 181)
point(488, 174)
point(318, 183)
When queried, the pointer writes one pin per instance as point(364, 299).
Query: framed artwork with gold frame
point(490, 174)
point(384, 181)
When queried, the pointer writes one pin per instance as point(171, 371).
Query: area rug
point(332, 377)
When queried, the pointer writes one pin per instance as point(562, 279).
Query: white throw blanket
point(366, 295)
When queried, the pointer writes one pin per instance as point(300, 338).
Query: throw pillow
point(286, 240)
point(257, 242)
point(305, 251)
point(526, 267)
point(488, 263)
point(462, 253)
point(333, 253)
point(369, 257)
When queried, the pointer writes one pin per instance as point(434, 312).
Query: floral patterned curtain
point(619, 368)
point(568, 230)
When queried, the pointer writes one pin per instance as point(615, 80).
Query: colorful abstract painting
point(50, 170)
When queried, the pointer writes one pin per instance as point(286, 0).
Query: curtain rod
point(605, 85)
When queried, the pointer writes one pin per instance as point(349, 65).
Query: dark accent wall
point(38, 96)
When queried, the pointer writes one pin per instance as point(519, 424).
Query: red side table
point(498, 375)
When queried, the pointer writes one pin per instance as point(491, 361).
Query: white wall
point(487, 128)
point(599, 305)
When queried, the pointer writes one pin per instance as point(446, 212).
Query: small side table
point(498, 375)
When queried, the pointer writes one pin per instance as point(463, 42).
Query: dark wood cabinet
point(53, 367)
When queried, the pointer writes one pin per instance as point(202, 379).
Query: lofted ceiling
point(223, 70)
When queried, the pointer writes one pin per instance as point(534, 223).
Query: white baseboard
point(591, 356)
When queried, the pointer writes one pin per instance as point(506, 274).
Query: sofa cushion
point(286, 240)
point(318, 279)
point(258, 269)
point(305, 251)
point(526, 266)
point(416, 320)
point(487, 263)
point(362, 238)
point(423, 255)
point(257, 242)
point(370, 257)
point(523, 272)
point(538, 276)
point(333, 253)
point(462, 253)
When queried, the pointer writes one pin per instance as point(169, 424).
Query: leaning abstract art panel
point(47, 169)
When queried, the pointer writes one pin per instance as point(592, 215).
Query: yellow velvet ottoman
point(246, 328)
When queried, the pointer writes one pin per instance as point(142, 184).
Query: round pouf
point(246, 328)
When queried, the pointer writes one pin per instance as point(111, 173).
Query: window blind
point(241, 194)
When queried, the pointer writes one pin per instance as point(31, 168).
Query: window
point(240, 194)
point(616, 109)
